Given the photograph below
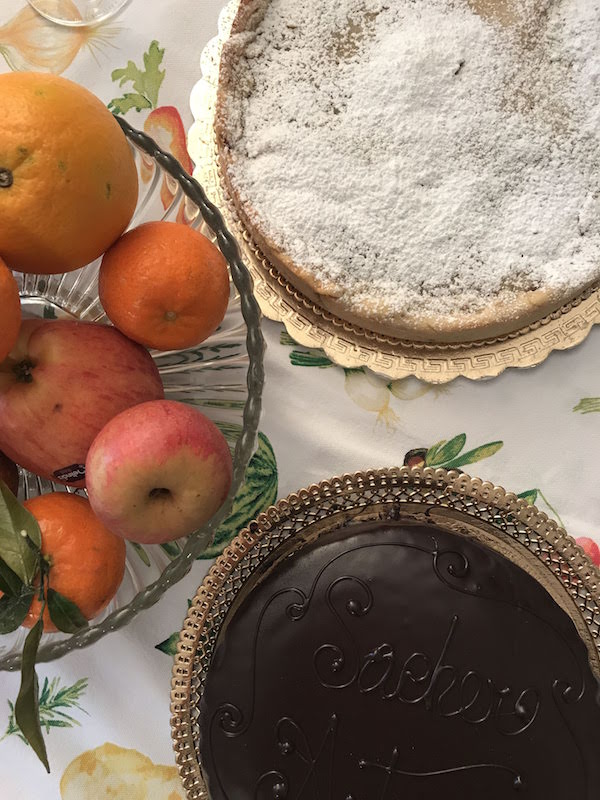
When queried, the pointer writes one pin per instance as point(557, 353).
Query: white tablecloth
point(527, 430)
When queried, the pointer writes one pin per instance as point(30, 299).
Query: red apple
point(591, 548)
point(9, 473)
point(60, 385)
point(158, 471)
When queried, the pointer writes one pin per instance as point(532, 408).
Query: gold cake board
point(450, 499)
point(343, 342)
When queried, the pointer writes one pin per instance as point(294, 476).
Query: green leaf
point(588, 405)
point(478, 454)
point(15, 550)
point(169, 646)
point(141, 553)
point(258, 493)
point(52, 698)
point(64, 613)
point(146, 83)
point(230, 430)
point(10, 583)
point(13, 609)
point(172, 549)
point(433, 451)
point(310, 358)
point(286, 339)
point(121, 105)
point(530, 496)
point(26, 707)
point(445, 451)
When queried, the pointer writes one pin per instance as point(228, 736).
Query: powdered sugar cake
point(427, 169)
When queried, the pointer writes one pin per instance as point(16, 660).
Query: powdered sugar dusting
point(424, 155)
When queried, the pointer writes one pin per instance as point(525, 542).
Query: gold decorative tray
point(344, 343)
point(452, 500)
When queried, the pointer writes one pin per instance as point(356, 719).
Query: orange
point(164, 285)
point(87, 561)
point(10, 311)
point(68, 179)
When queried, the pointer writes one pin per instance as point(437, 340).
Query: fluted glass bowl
point(222, 377)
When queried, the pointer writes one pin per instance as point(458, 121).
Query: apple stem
point(23, 371)
point(6, 178)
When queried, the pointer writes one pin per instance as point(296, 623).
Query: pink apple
point(158, 471)
point(60, 385)
point(9, 473)
point(591, 548)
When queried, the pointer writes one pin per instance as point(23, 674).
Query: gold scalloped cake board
point(344, 343)
point(454, 501)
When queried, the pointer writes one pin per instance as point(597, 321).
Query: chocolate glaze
point(392, 661)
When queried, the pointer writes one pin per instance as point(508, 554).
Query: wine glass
point(76, 13)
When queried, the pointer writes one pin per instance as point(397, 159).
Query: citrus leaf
point(530, 496)
point(478, 454)
point(446, 451)
point(27, 712)
point(15, 550)
point(13, 609)
point(10, 583)
point(64, 613)
point(258, 492)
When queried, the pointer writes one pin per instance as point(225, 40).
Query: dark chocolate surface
point(400, 662)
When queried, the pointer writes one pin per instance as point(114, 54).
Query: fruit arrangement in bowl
point(130, 372)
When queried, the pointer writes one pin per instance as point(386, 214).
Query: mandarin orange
point(68, 179)
point(87, 561)
point(10, 311)
point(164, 285)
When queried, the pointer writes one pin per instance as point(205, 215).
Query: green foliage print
point(588, 405)
point(55, 704)
point(450, 454)
point(258, 492)
point(534, 496)
point(144, 83)
point(169, 645)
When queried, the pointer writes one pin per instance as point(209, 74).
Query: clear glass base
point(77, 13)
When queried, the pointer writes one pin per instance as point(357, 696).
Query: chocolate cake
point(394, 660)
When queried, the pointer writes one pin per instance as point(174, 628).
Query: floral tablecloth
point(105, 710)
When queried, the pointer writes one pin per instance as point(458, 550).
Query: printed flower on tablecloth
point(56, 703)
point(367, 390)
point(163, 123)
point(110, 772)
point(30, 42)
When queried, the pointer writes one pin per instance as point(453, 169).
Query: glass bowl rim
point(245, 445)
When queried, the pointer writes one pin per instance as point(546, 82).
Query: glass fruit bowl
point(222, 377)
